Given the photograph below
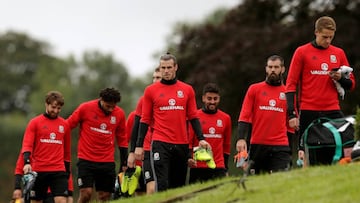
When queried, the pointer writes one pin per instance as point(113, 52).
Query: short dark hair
point(167, 57)
point(52, 96)
point(276, 57)
point(211, 87)
point(110, 94)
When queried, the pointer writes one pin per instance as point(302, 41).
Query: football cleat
point(134, 180)
point(201, 154)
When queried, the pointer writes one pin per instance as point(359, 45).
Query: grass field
point(325, 184)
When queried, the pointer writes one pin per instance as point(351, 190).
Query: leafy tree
point(97, 71)
point(52, 74)
point(233, 53)
point(19, 60)
point(228, 47)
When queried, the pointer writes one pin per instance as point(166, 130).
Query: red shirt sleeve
point(247, 106)
point(192, 108)
point(129, 125)
point(67, 143)
point(120, 133)
point(227, 134)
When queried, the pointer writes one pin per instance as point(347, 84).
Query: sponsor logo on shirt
point(102, 129)
point(172, 106)
point(52, 139)
point(323, 71)
point(212, 133)
point(271, 107)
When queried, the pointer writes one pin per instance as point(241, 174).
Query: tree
point(233, 53)
point(20, 56)
point(97, 71)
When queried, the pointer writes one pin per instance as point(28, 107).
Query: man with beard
point(46, 150)
point(263, 121)
point(101, 127)
point(168, 106)
point(216, 127)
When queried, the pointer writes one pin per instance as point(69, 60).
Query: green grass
point(315, 184)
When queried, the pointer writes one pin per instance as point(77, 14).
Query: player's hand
point(204, 144)
point(131, 160)
point(17, 194)
point(301, 156)
point(335, 75)
point(27, 168)
point(241, 145)
point(294, 123)
point(191, 163)
point(139, 153)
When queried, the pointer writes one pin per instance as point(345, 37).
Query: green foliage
point(19, 56)
point(233, 53)
point(23, 89)
point(98, 71)
point(11, 131)
point(228, 47)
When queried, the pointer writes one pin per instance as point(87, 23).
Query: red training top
point(265, 108)
point(309, 69)
point(217, 132)
point(48, 141)
point(148, 136)
point(98, 131)
point(169, 105)
point(129, 125)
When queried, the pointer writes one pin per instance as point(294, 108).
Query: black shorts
point(147, 168)
point(268, 158)
point(50, 198)
point(100, 174)
point(170, 164)
point(56, 181)
point(205, 174)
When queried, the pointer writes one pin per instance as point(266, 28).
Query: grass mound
point(326, 184)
